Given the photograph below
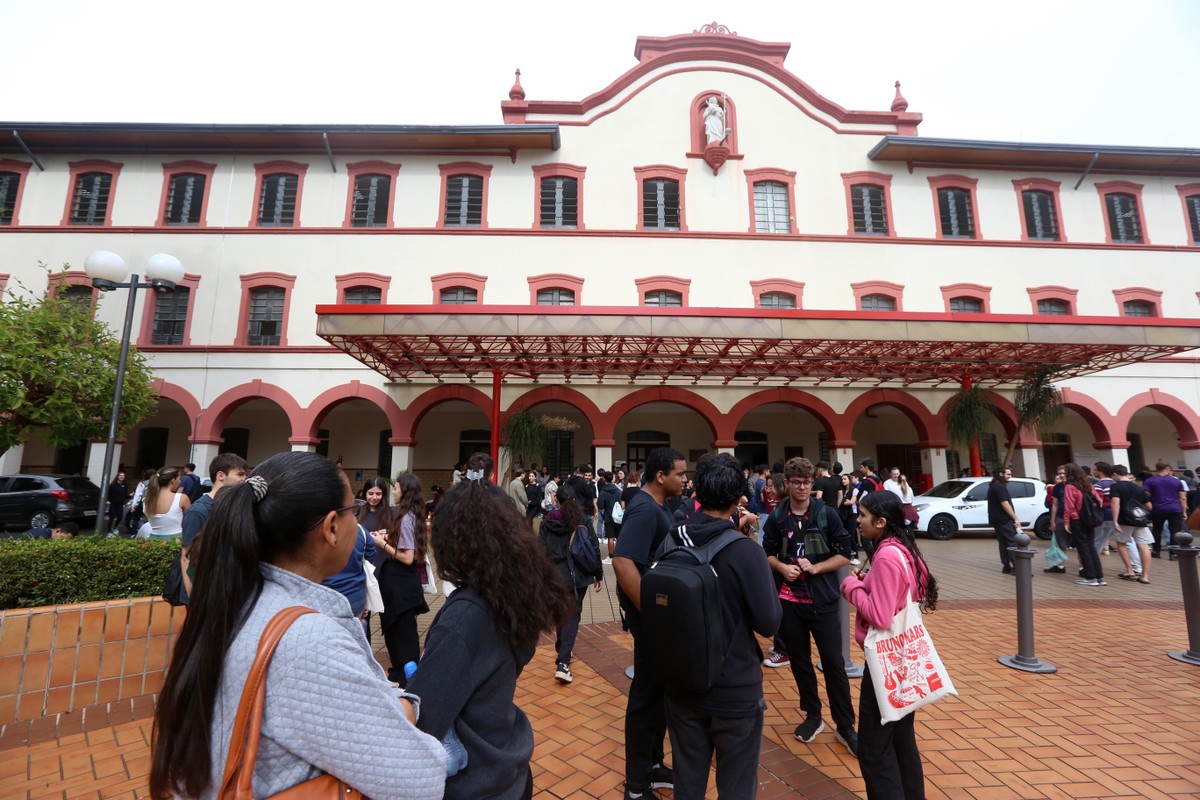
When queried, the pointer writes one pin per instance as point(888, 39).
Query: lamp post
point(107, 271)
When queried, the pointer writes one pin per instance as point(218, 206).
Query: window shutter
point(664, 297)
point(266, 316)
point(878, 302)
point(460, 296)
point(966, 305)
point(954, 208)
point(1123, 220)
point(869, 208)
point(771, 212)
point(660, 204)
point(1193, 210)
point(364, 295)
point(464, 201)
point(559, 204)
point(277, 206)
point(10, 182)
point(90, 206)
point(1041, 221)
point(370, 206)
point(185, 195)
point(1138, 308)
point(777, 300)
point(555, 297)
point(1053, 307)
point(170, 316)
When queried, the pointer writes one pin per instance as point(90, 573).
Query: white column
point(933, 463)
point(604, 458)
point(402, 459)
point(729, 451)
point(1028, 466)
point(95, 461)
point(202, 456)
point(1113, 455)
point(845, 456)
point(10, 461)
point(302, 445)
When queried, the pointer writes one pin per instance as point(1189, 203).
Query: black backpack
point(683, 630)
point(1091, 513)
point(581, 553)
point(1133, 514)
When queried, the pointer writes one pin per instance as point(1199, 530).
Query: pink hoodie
point(884, 591)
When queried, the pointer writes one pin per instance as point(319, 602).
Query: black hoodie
point(557, 539)
point(750, 604)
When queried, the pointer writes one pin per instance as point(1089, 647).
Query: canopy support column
point(497, 379)
point(976, 460)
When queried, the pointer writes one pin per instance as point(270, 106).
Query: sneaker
point(1099, 582)
point(1059, 568)
point(807, 731)
point(1006, 569)
point(849, 738)
point(778, 659)
point(645, 795)
point(606, 560)
point(562, 673)
point(855, 561)
point(661, 777)
point(1105, 552)
point(1087, 582)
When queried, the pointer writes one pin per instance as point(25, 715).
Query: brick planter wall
point(55, 659)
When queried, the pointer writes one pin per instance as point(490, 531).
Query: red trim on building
point(213, 420)
point(1099, 419)
point(871, 178)
point(146, 331)
point(886, 288)
point(448, 171)
point(562, 394)
point(360, 168)
point(663, 282)
point(788, 396)
point(928, 425)
point(555, 280)
point(1138, 293)
point(642, 174)
point(551, 170)
point(1123, 187)
point(373, 279)
point(972, 290)
point(717, 422)
point(1182, 416)
point(170, 169)
point(435, 396)
point(261, 171)
point(81, 168)
point(311, 417)
point(1040, 185)
point(955, 182)
point(257, 280)
point(21, 168)
point(787, 178)
point(74, 278)
point(454, 280)
point(185, 400)
point(1062, 293)
point(1185, 190)
point(784, 285)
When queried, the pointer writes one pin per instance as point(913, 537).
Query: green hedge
point(42, 572)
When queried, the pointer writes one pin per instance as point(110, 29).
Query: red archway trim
point(718, 423)
point(1005, 412)
point(1099, 419)
point(185, 399)
point(213, 419)
point(411, 417)
point(792, 397)
point(560, 394)
point(927, 424)
point(354, 390)
point(1181, 415)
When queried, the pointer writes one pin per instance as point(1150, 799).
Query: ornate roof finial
point(899, 104)
point(715, 27)
point(517, 92)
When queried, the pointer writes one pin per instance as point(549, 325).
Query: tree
point(1038, 404)
point(525, 437)
point(58, 370)
point(967, 413)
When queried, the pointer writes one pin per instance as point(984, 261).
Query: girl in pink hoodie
point(887, 754)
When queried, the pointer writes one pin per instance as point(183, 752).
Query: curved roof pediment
point(698, 51)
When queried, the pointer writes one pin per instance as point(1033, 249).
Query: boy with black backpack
point(702, 602)
point(806, 543)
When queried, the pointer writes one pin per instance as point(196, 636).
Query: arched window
point(266, 315)
point(556, 296)
point(10, 186)
point(185, 199)
point(459, 296)
point(1053, 307)
point(372, 195)
point(364, 295)
point(90, 203)
point(772, 214)
point(878, 302)
point(277, 201)
point(1041, 215)
point(1122, 212)
point(663, 297)
point(776, 300)
point(170, 316)
point(868, 206)
point(1138, 308)
point(966, 305)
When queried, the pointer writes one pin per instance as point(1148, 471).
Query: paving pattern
point(1119, 719)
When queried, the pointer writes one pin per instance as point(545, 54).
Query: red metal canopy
point(747, 346)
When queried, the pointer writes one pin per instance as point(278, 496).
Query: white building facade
point(318, 258)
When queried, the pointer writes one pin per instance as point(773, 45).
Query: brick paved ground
point(1119, 719)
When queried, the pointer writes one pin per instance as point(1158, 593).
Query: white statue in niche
point(714, 121)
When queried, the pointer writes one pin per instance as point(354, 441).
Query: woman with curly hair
point(556, 532)
point(508, 594)
point(887, 753)
point(403, 545)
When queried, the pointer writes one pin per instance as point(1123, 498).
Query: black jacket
point(750, 604)
point(609, 496)
point(557, 539)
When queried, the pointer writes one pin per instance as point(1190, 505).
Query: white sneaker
point(855, 561)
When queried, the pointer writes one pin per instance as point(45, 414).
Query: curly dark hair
point(887, 506)
point(412, 501)
point(480, 542)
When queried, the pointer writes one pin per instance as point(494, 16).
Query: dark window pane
point(464, 201)
point(1123, 219)
point(277, 206)
point(185, 195)
point(660, 204)
point(954, 208)
point(1056, 308)
point(370, 206)
point(559, 202)
point(1041, 219)
point(771, 212)
point(966, 305)
point(1138, 308)
point(878, 302)
point(1193, 212)
point(78, 295)
point(869, 208)
point(364, 295)
point(555, 297)
point(777, 300)
point(90, 203)
point(460, 296)
point(266, 315)
point(170, 316)
point(664, 297)
point(9, 183)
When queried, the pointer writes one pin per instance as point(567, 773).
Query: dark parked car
point(40, 501)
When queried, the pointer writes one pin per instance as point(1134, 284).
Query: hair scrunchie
point(259, 484)
point(474, 474)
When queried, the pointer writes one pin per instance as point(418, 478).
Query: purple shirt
point(1164, 493)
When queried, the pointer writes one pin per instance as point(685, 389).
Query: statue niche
point(714, 129)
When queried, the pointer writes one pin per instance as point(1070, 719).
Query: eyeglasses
point(799, 483)
point(355, 506)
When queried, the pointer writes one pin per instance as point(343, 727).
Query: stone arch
point(929, 426)
point(185, 399)
point(1102, 423)
point(324, 403)
point(212, 420)
point(411, 417)
point(792, 397)
point(718, 423)
point(562, 394)
point(1182, 416)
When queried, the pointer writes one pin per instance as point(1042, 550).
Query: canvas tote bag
point(905, 669)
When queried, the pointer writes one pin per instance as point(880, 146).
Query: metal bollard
point(1024, 660)
point(1190, 584)
point(853, 670)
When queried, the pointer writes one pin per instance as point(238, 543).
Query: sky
point(1095, 72)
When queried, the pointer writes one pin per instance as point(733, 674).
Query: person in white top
point(165, 504)
point(892, 484)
